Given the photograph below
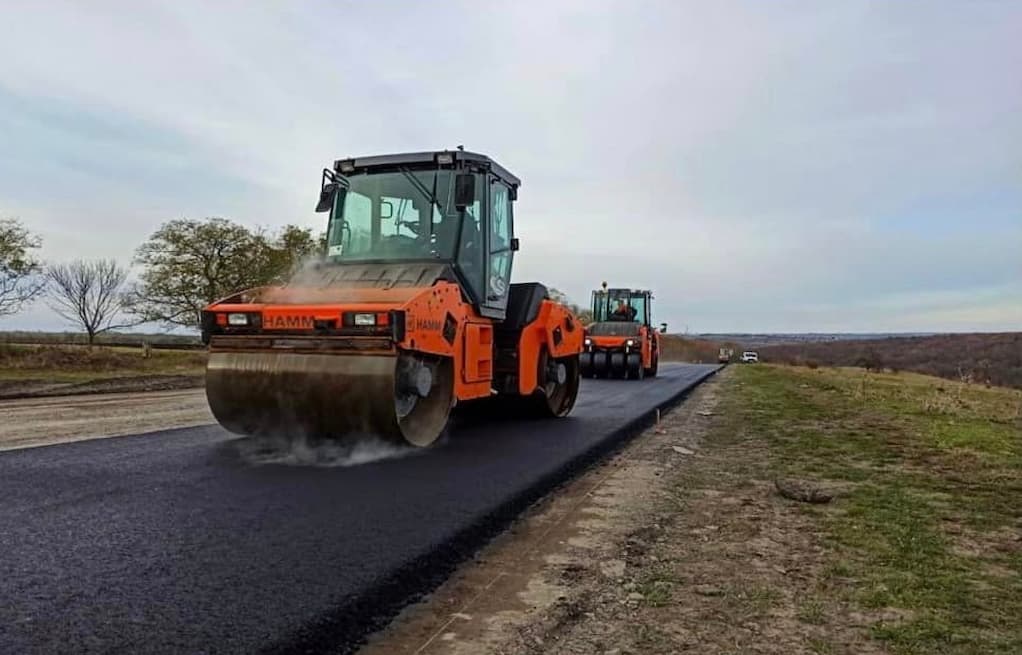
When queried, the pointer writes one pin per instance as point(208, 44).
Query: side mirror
point(326, 197)
point(464, 190)
point(386, 209)
point(515, 244)
point(663, 328)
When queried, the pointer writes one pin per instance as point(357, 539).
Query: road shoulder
point(668, 546)
point(61, 419)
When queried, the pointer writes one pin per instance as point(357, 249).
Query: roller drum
point(617, 364)
point(585, 364)
point(328, 396)
point(635, 370)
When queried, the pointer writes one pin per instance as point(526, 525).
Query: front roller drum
point(324, 396)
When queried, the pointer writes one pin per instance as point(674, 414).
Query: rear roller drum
point(559, 385)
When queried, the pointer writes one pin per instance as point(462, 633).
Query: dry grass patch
point(927, 536)
point(77, 363)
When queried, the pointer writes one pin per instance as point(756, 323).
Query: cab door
point(500, 248)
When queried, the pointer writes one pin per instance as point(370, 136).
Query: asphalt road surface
point(178, 542)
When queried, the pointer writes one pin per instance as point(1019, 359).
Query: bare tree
point(88, 293)
point(20, 279)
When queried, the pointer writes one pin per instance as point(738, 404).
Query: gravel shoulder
point(60, 419)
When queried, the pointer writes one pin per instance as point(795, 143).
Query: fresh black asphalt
point(171, 542)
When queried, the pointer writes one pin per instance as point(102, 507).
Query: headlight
point(364, 320)
point(630, 343)
point(588, 341)
point(237, 319)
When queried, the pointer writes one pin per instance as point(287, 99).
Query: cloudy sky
point(781, 166)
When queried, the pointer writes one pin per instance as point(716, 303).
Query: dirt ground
point(39, 421)
point(669, 547)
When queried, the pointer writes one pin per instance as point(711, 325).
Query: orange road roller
point(411, 312)
point(621, 342)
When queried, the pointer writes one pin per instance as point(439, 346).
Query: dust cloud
point(301, 451)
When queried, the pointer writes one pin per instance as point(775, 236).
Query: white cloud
point(794, 155)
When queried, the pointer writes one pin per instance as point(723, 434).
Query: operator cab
point(621, 305)
point(451, 207)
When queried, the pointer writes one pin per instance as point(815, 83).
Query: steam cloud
point(300, 451)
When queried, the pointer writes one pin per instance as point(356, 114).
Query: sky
point(843, 166)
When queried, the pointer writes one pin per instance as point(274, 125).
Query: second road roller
point(411, 312)
point(621, 341)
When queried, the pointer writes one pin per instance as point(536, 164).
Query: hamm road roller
point(411, 312)
point(621, 341)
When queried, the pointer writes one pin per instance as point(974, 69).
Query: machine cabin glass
point(499, 245)
point(409, 215)
point(620, 305)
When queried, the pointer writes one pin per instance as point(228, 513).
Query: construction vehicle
point(621, 341)
point(724, 355)
point(411, 312)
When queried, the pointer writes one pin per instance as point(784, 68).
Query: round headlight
point(588, 341)
point(630, 343)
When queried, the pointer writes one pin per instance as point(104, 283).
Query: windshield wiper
point(417, 183)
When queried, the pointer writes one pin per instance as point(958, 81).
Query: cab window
point(499, 274)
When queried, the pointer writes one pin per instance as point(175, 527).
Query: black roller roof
point(420, 158)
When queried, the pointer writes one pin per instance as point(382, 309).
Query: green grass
point(656, 585)
point(930, 471)
point(812, 611)
point(754, 600)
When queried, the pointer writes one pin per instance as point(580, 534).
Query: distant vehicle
point(750, 357)
point(724, 355)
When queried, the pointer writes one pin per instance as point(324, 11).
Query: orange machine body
point(409, 311)
point(646, 343)
point(435, 321)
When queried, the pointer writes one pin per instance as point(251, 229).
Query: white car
point(749, 357)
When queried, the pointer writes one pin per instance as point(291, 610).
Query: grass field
point(925, 536)
point(676, 348)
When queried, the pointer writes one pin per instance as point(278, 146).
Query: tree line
point(183, 266)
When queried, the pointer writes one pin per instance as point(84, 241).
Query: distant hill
point(756, 340)
point(982, 357)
